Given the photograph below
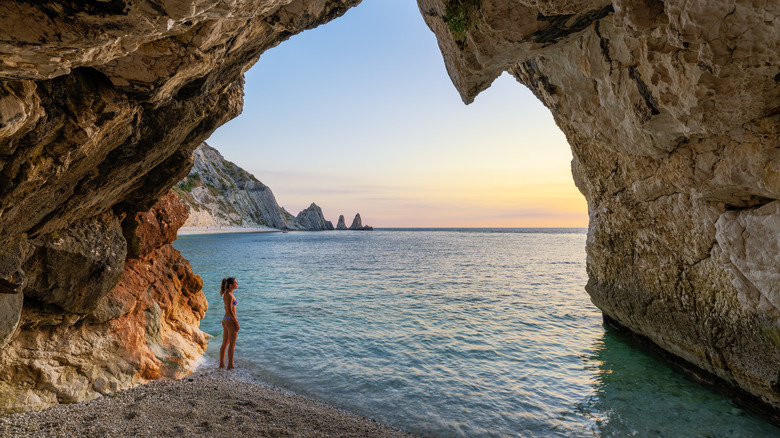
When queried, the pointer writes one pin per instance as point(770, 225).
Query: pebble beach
point(206, 404)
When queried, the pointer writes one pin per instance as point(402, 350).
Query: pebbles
point(212, 403)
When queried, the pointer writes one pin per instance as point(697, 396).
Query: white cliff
point(218, 193)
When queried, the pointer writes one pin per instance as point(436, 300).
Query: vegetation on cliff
point(219, 193)
point(461, 16)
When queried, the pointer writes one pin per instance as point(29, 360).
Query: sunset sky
point(359, 115)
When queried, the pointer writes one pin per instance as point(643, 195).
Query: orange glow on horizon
point(445, 201)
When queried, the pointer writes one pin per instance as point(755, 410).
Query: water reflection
point(638, 394)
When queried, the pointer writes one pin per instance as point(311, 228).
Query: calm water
point(449, 333)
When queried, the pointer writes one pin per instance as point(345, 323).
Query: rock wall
point(218, 193)
point(671, 110)
point(143, 328)
point(101, 106)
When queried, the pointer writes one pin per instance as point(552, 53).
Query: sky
point(359, 115)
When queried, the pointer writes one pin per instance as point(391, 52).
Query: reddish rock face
point(156, 227)
point(160, 330)
point(146, 327)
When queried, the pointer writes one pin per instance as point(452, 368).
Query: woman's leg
point(225, 339)
point(231, 345)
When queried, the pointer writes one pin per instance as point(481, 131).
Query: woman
point(230, 324)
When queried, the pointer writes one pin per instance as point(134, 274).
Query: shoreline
point(206, 403)
point(192, 231)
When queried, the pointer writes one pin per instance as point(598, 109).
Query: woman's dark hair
point(225, 283)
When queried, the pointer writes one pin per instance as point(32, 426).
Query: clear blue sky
point(359, 115)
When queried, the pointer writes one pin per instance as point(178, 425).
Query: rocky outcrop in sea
point(219, 193)
point(357, 224)
point(312, 219)
point(342, 225)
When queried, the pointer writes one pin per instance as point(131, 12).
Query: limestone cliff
point(145, 327)
point(219, 193)
point(312, 219)
point(101, 106)
point(671, 110)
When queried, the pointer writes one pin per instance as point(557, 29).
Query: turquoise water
point(449, 333)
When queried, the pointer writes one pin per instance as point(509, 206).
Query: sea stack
point(357, 224)
point(311, 219)
point(342, 224)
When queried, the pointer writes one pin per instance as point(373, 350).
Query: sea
point(449, 333)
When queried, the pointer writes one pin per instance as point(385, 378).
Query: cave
point(670, 109)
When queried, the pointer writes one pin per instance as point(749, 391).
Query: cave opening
point(360, 115)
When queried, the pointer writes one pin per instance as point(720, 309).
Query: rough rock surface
point(76, 267)
point(311, 219)
point(357, 224)
point(10, 316)
point(101, 106)
point(144, 327)
point(218, 193)
point(671, 110)
point(342, 224)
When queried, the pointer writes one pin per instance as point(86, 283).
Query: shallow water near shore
point(473, 332)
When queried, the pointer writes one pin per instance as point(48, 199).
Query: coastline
point(190, 231)
point(206, 403)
